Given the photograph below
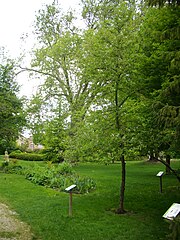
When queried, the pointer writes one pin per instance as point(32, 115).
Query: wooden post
point(70, 190)
point(70, 204)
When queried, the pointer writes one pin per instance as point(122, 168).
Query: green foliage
point(83, 184)
point(53, 154)
point(10, 166)
point(159, 73)
point(27, 156)
point(59, 177)
point(162, 3)
point(64, 168)
point(112, 88)
point(12, 117)
point(4, 164)
point(78, 76)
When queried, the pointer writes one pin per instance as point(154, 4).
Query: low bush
point(10, 167)
point(27, 156)
point(83, 184)
point(59, 177)
point(65, 168)
point(4, 164)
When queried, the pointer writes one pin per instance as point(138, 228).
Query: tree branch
point(172, 170)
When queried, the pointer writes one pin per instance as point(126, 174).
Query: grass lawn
point(93, 219)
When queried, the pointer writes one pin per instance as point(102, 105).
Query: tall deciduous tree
point(89, 69)
point(109, 61)
point(11, 109)
point(59, 60)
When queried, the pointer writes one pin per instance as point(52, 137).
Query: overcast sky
point(16, 18)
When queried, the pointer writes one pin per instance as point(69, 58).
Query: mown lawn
point(93, 218)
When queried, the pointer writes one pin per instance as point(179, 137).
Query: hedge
point(27, 156)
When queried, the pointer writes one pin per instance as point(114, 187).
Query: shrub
point(4, 164)
point(27, 156)
point(64, 168)
point(83, 184)
point(54, 176)
point(10, 167)
point(39, 176)
point(59, 177)
point(54, 155)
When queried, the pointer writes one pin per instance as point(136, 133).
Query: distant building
point(28, 144)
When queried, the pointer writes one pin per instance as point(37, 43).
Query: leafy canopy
point(12, 118)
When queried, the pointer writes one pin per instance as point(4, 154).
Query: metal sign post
point(160, 174)
point(69, 189)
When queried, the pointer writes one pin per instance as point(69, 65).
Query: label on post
point(172, 212)
point(70, 188)
point(160, 174)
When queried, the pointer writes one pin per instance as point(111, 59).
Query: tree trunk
point(152, 158)
point(121, 210)
point(172, 170)
point(156, 155)
point(168, 161)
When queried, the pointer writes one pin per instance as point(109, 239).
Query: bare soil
point(11, 228)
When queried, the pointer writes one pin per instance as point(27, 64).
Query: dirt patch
point(11, 228)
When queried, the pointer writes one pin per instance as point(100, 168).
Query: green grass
point(93, 219)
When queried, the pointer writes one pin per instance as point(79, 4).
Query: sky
point(16, 19)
